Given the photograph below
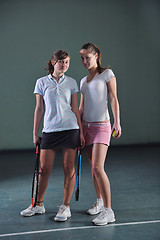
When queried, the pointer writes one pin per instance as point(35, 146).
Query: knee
point(69, 168)
point(44, 172)
point(96, 169)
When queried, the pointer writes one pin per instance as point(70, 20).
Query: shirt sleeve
point(38, 88)
point(108, 75)
point(74, 87)
point(82, 84)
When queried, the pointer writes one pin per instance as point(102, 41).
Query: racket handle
point(38, 146)
point(77, 194)
point(38, 149)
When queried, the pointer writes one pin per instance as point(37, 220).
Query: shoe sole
point(30, 215)
point(105, 223)
point(92, 214)
point(61, 219)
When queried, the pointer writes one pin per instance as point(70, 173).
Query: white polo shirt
point(57, 99)
point(95, 95)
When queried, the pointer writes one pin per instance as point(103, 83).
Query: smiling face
point(89, 60)
point(61, 66)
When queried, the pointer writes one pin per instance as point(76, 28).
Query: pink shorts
point(96, 132)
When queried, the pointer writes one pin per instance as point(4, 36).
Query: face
point(89, 60)
point(61, 66)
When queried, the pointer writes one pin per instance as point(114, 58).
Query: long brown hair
point(94, 49)
point(57, 55)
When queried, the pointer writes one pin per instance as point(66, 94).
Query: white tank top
point(95, 95)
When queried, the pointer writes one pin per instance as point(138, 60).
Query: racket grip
point(38, 146)
point(38, 149)
point(77, 194)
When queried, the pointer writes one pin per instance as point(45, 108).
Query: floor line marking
point(77, 228)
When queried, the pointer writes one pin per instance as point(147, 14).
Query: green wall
point(128, 34)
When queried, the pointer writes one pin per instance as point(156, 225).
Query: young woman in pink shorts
point(95, 89)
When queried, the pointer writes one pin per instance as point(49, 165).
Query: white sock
point(108, 209)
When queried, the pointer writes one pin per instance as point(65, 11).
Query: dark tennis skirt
point(61, 139)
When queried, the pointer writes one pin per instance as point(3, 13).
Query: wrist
point(117, 122)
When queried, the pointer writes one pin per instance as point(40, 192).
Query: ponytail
point(50, 67)
point(99, 66)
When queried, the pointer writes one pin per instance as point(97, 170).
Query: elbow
point(39, 110)
point(81, 113)
point(81, 110)
point(113, 99)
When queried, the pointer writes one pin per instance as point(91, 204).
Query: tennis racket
point(36, 177)
point(78, 175)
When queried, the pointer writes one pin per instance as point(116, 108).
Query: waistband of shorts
point(96, 124)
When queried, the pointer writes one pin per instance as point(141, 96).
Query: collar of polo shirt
point(60, 80)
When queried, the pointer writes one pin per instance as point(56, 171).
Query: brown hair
point(94, 49)
point(57, 55)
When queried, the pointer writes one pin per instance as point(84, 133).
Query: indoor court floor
point(134, 173)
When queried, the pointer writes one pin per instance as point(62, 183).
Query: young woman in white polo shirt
point(95, 89)
point(56, 98)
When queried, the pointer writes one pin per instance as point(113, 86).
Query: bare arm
point(112, 88)
point(74, 106)
point(38, 114)
point(81, 106)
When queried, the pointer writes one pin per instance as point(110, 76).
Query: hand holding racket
point(36, 176)
point(78, 175)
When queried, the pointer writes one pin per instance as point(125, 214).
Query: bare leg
point(69, 174)
point(47, 157)
point(99, 152)
point(89, 154)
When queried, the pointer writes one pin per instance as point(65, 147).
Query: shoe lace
point(96, 204)
point(102, 215)
point(61, 209)
point(30, 207)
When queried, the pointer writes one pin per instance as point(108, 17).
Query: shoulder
point(83, 80)
point(107, 74)
point(82, 83)
point(42, 80)
point(41, 84)
point(70, 79)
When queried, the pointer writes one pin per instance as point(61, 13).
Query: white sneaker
point(106, 216)
point(96, 208)
point(63, 214)
point(30, 211)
